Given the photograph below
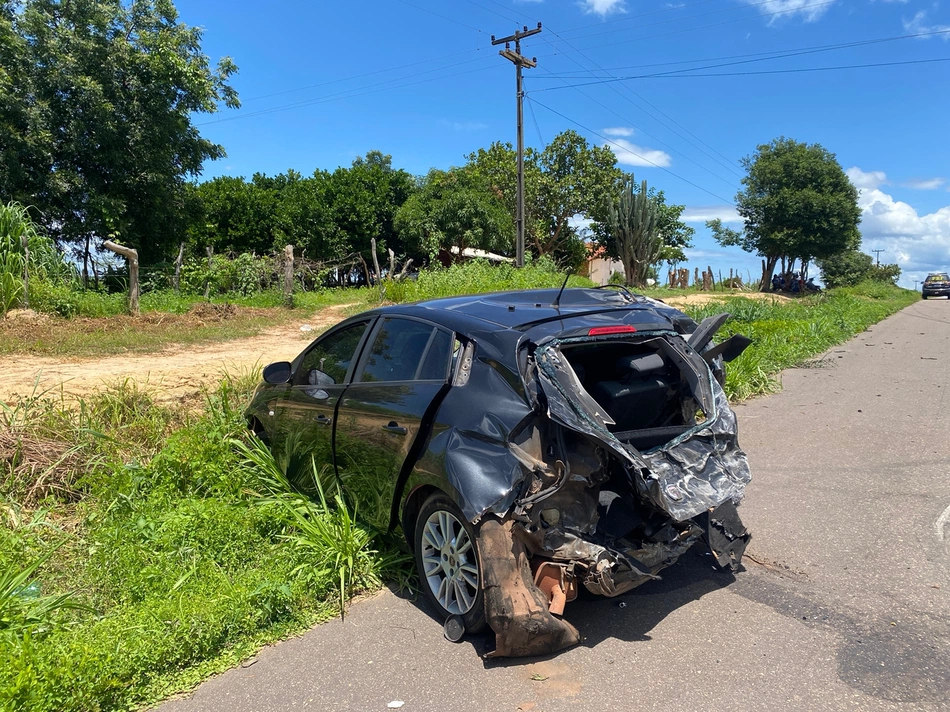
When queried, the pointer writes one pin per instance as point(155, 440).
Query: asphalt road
point(844, 603)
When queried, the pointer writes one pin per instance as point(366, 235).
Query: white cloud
point(618, 131)
point(602, 7)
point(918, 243)
point(810, 10)
point(703, 213)
point(870, 179)
point(925, 183)
point(918, 24)
point(631, 154)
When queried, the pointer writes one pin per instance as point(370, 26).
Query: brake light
point(604, 330)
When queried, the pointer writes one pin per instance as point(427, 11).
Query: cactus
point(634, 225)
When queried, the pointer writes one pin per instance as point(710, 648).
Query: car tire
point(446, 554)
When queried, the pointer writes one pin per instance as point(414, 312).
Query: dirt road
point(170, 374)
point(177, 372)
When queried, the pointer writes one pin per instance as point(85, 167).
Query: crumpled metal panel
point(691, 474)
point(699, 470)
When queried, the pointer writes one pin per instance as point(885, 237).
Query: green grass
point(167, 553)
point(787, 334)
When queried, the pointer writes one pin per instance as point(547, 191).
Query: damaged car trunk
point(574, 439)
point(641, 461)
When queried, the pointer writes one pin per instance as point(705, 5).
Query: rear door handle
point(394, 427)
point(323, 420)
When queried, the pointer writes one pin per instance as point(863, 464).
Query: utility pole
point(520, 62)
point(877, 254)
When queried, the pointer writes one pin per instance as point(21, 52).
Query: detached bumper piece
point(515, 607)
point(726, 535)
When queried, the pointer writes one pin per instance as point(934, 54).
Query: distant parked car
point(528, 443)
point(937, 284)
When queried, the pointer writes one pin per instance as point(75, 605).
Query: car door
point(305, 412)
point(403, 367)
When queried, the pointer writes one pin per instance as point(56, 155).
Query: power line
point(352, 93)
point(727, 166)
point(775, 54)
point(643, 158)
point(699, 27)
point(631, 18)
point(360, 76)
point(705, 14)
point(680, 74)
point(433, 12)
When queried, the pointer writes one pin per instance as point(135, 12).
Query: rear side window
point(406, 350)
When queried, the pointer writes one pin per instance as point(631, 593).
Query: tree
point(633, 224)
point(850, 267)
point(454, 208)
point(103, 95)
point(797, 204)
point(568, 178)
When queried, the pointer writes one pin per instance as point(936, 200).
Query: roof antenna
point(557, 300)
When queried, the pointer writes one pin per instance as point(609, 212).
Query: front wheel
point(446, 553)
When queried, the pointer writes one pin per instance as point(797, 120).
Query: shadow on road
point(629, 617)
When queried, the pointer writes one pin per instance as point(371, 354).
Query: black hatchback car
point(937, 284)
point(527, 443)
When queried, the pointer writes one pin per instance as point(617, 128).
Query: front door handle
point(323, 420)
point(394, 427)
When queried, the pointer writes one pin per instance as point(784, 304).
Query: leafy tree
point(568, 178)
point(234, 214)
point(850, 267)
point(797, 203)
point(633, 223)
point(96, 117)
point(454, 208)
point(364, 200)
point(845, 269)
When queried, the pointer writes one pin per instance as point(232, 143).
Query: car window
point(406, 350)
point(937, 278)
point(332, 354)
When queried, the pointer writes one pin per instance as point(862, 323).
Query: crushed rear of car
point(571, 439)
point(607, 455)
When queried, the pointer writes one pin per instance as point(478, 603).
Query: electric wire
point(722, 161)
point(356, 92)
point(641, 157)
point(681, 74)
point(774, 54)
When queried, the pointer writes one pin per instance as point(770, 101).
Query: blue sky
point(324, 82)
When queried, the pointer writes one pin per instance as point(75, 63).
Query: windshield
point(942, 277)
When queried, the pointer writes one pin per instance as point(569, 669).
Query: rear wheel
point(446, 554)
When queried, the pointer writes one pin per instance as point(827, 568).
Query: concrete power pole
point(519, 62)
point(877, 253)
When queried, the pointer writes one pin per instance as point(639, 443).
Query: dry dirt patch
point(171, 374)
point(706, 297)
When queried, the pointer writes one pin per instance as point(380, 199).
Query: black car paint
point(459, 435)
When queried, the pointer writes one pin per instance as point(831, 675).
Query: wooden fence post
point(26, 271)
point(133, 257)
point(289, 276)
point(210, 250)
point(178, 261)
point(372, 243)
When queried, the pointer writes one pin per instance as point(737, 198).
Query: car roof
point(523, 308)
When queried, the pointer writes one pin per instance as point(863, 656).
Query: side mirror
point(278, 373)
